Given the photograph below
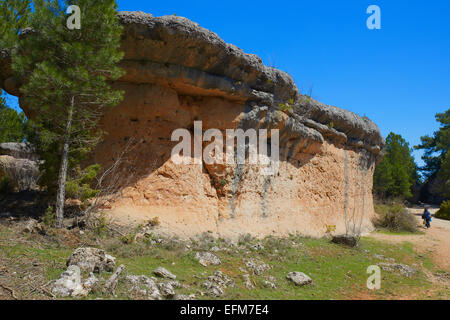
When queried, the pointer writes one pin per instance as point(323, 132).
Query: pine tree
point(437, 155)
point(12, 123)
point(444, 174)
point(67, 73)
point(397, 172)
point(14, 16)
point(382, 179)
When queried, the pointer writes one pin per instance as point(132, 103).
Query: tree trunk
point(61, 195)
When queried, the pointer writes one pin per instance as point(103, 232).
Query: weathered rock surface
point(399, 268)
point(166, 290)
point(299, 278)
point(270, 283)
point(207, 258)
point(217, 283)
point(22, 173)
point(18, 150)
point(178, 72)
point(71, 285)
point(164, 273)
point(111, 284)
point(256, 267)
point(144, 286)
point(32, 226)
point(92, 260)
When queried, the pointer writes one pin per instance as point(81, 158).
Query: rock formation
point(178, 72)
point(18, 162)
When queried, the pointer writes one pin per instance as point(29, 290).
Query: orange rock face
point(179, 73)
point(308, 193)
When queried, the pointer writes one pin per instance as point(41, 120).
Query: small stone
point(299, 278)
point(247, 282)
point(166, 290)
point(207, 258)
point(257, 247)
point(164, 273)
point(345, 239)
point(90, 282)
point(269, 284)
point(32, 226)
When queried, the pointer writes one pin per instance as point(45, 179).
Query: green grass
point(338, 272)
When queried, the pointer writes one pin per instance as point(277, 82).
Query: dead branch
point(11, 291)
point(111, 284)
point(109, 182)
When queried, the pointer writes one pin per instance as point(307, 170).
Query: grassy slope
point(337, 272)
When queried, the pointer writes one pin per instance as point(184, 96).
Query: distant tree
point(444, 174)
point(397, 172)
point(382, 179)
point(67, 73)
point(437, 155)
point(13, 125)
point(14, 17)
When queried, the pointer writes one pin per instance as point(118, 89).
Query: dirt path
point(434, 242)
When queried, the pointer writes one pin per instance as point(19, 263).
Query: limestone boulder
point(92, 260)
point(70, 283)
point(22, 173)
point(178, 73)
point(299, 278)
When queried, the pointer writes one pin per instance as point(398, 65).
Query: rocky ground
point(37, 262)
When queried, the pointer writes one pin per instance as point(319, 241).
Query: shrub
point(444, 211)
point(49, 218)
point(154, 222)
point(330, 229)
point(395, 217)
point(99, 224)
point(285, 107)
point(80, 187)
point(6, 185)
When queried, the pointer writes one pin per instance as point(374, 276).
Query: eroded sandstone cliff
point(178, 73)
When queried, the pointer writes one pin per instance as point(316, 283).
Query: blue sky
point(398, 76)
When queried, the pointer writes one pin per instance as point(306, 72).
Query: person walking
point(426, 216)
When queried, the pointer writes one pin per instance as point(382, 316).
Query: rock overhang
point(176, 52)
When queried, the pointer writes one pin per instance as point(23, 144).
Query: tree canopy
point(66, 73)
point(436, 152)
point(397, 172)
point(14, 17)
point(13, 124)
